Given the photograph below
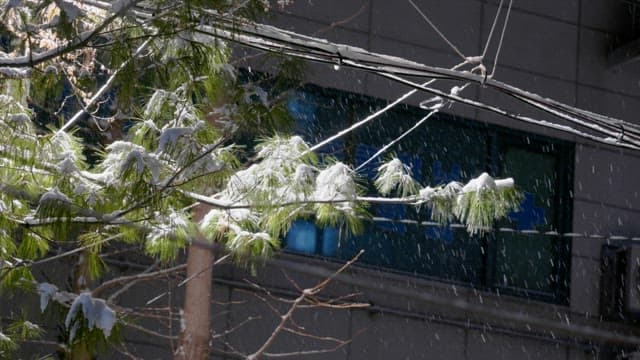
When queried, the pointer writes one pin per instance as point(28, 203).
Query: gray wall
point(558, 49)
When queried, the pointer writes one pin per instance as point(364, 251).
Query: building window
point(530, 261)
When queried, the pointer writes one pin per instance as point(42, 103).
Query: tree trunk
point(195, 338)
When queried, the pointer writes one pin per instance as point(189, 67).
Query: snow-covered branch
point(33, 59)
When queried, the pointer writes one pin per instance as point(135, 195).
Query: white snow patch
point(96, 311)
point(20, 119)
point(170, 136)
point(54, 195)
point(4, 338)
point(183, 321)
point(66, 167)
point(504, 183)
point(17, 204)
point(46, 291)
point(283, 149)
point(14, 73)
point(173, 221)
point(230, 219)
point(137, 157)
point(304, 174)
point(121, 154)
point(426, 194)
point(335, 183)
point(243, 239)
point(481, 183)
point(154, 105)
point(394, 174)
point(31, 326)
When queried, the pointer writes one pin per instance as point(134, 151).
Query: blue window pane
point(395, 212)
point(302, 237)
point(330, 237)
point(377, 246)
point(529, 216)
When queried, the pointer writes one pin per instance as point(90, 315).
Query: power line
point(504, 29)
point(435, 28)
point(493, 26)
point(268, 38)
point(371, 117)
point(394, 141)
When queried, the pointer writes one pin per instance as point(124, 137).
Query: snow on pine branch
point(124, 157)
point(95, 311)
point(239, 230)
point(259, 203)
point(395, 175)
point(168, 233)
point(478, 203)
point(279, 175)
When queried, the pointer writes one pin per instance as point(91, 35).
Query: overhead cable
point(504, 30)
point(435, 28)
point(614, 132)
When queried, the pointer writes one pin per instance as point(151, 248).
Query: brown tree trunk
point(196, 326)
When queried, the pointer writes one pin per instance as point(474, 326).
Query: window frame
point(497, 138)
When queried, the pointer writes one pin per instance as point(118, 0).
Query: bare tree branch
point(287, 316)
point(144, 276)
point(104, 88)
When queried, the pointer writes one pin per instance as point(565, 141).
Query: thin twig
point(222, 259)
point(103, 90)
point(147, 331)
point(287, 316)
point(235, 327)
point(343, 21)
point(128, 285)
point(144, 276)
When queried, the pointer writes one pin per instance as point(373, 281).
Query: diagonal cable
point(395, 141)
point(372, 116)
point(493, 27)
point(435, 28)
point(504, 29)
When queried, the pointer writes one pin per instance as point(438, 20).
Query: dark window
point(520, 262)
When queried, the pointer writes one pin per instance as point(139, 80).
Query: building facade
point(539, 286)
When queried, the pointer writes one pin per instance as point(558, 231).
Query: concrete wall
point(394, 326)
point(558, 49)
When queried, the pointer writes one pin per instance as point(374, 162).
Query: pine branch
point(34, 59)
